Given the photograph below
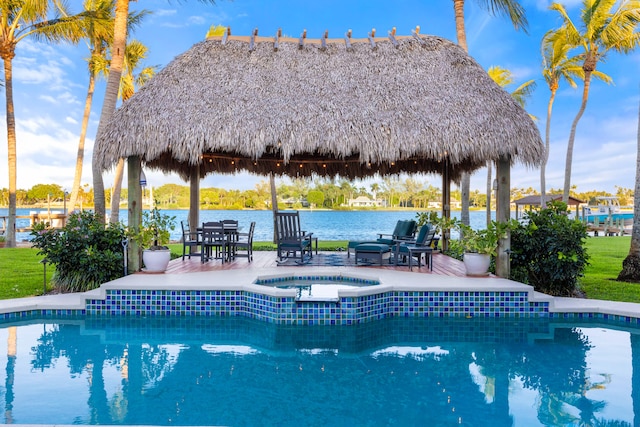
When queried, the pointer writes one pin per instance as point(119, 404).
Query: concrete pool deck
point(242, 280)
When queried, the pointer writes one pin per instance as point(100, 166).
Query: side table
point(419, 250)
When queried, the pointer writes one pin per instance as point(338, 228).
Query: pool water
point(241, 372)
point(316, 287)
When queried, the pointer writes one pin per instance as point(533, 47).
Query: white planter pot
point(156, 261)
point(476, 264)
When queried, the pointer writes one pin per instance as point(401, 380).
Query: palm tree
point(111, 94)
point(99, 36)
point(607, 25)
point(631, 264)
point(40, 20)
point(98, 40)
point(504, 78)
point(556, 66)
point(135, 52)
point(514, 10)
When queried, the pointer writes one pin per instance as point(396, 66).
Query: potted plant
point(3, 241)
point(152, 236)
point(480, 245)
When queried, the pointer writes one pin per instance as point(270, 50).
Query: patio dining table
point(230, 235)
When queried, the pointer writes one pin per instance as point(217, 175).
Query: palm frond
point(509, 8)
point(523, 92)
point(501, 76)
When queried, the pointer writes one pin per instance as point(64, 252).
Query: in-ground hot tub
point(316, 287)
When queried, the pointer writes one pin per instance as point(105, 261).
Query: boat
point(605, 205)
point(606, 216)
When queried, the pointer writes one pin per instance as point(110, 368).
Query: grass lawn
point(599, 281)
point(21, 273)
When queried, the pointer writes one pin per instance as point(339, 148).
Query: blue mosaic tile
point(286, 310)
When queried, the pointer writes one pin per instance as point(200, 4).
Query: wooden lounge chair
point(292, 242)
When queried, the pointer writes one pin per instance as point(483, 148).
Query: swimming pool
point(239, 371)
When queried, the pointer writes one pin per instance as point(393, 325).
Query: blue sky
point(50, 83)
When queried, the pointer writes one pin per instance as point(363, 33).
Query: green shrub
point(86, 253)
point(548, 251)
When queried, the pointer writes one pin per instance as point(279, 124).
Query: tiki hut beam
point(392, 37)
point(503, 214)
point(372, 35)
point(301, 40)
point(347, 39)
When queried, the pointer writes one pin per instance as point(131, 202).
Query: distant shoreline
point(60, 206)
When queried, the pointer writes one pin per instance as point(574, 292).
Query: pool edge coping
point(412, 282)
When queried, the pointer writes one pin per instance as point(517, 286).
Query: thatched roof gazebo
point(300, 106)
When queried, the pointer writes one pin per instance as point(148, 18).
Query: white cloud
point(196, 20)
point(568, 4)
point(48, 98)
point(165, 12)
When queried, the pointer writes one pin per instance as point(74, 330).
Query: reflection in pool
point(236, 371)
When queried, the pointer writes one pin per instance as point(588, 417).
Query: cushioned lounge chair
point(404, 230)
point(414, 249)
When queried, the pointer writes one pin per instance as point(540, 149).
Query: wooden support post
point(446, 202)
point(135, 210)
point(274, 204)
point(503, 214)
point(194, 197)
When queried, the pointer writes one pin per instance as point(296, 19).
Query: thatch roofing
point(352, 107)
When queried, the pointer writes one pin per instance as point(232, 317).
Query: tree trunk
point(110, 99)
point(461, 35)
point(572, 137)
point(547, 138)
point(465, 179)
point(83, 132)
point(115, 193)
point(631, 264)
point(11, 152)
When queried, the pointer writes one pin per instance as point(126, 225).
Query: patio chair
point(191, 240)
point(404, 230)
point(231, 230)
point(414, 249)
point(291, 241)
point(244, 243)
point(213, 236)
